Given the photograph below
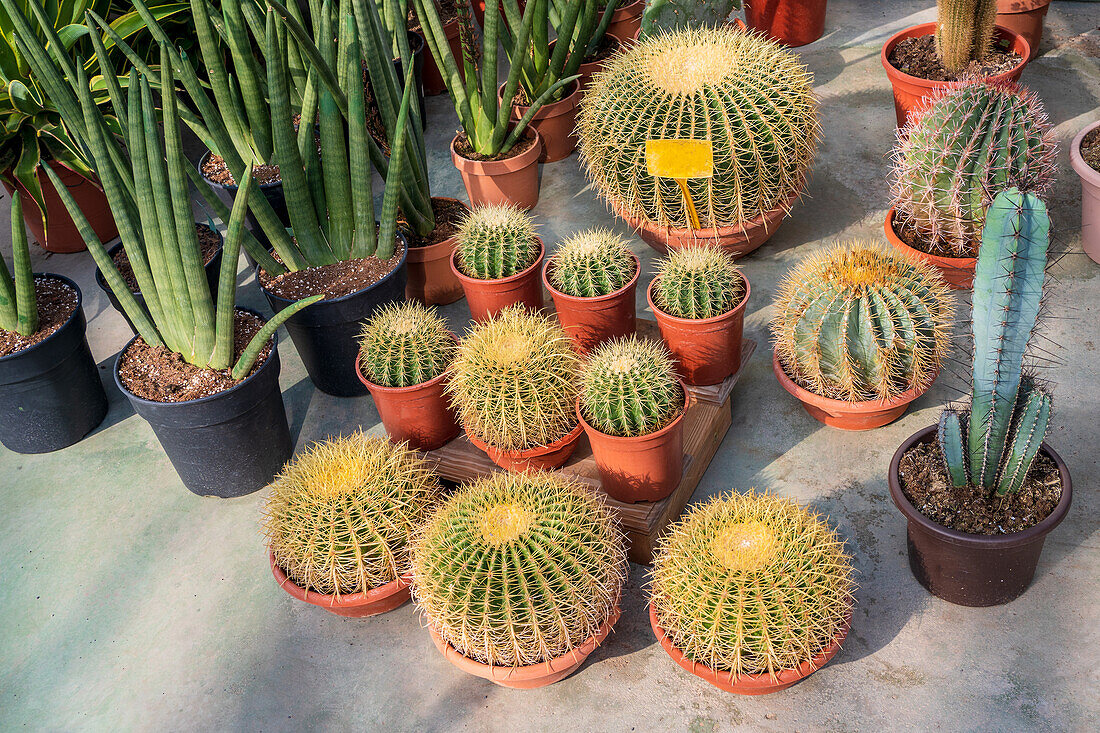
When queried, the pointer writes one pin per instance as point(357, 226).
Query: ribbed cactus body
point(860, 322)
point(668, 15)
point(629, 387)
point(964, 31)
point(517, 569)
point(751, 584)
point(496, 241)
point(592, 263)
point(404, 344)
point(698, 282)
point(750, 97)
point(341, 514)
point(964, 146)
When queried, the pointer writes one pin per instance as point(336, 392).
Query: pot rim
point(917, 31)
point(550, 109)
point(64, 326)
point(627, 9)
point(464, 279)
point(426, 253)
point(638, 438)
point(325, 600)
point(1085, 171)
point(676, 320)
point(505, 165)
point(958, 263)
point(402, 390)
point(234, 187)
point(977, 541)
point(329, 301)
point(715, 233)
point(555, 293)
point(831, 405)
point(539, 450)
point(1027, 6)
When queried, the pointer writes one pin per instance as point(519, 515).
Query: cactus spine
point(750, 97)
point(629, 387)
point(860, 322)
point(669, 15)
point(496, 241)
point(698, 282)
point(964, 31)
point(18, 305)
point(964, 146)
point(592, 263)
point(751, 584)
point(517, 569)
point(405, 344)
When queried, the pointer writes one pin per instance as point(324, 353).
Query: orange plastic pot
point(793, 22)
point(749, 684)
point(588, 69)
point(591, 321)
point(542, 458)
point(420, 414)
point(707, 350)
point(430, 278)
point(910, 90)
point(60, 233)
point(1025, 17)
point(1090, 195)
point(486, 298)
point(626, 21)
point(512, 181)
point(433, 80)
point(847, 415)
point(957, 271)
point(354, 605)
point(554, 122)
point(640, 468)
point(532, 675)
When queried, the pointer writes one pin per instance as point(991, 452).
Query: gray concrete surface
point(128, 603)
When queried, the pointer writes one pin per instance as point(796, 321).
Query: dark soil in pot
point(214, 170)
point(466, 150)
point(449, 214)
point(1090, 149)
point(917, 57)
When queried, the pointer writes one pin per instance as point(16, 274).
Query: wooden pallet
point(705, 423)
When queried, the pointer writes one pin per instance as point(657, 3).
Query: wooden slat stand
point(705, 423)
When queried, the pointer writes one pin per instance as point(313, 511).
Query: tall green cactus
point(668, 15)
point(964, 31)
point(18, 306)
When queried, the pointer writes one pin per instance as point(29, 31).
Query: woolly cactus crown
point(592, 263)
point(749, 96)
point(404, 344)
point(496, 241)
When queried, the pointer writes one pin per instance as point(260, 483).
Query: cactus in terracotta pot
point(404, 344)
point(698, 282)
point(592, 263)
point(964, 31)
point(496, 241)
point(629, 387)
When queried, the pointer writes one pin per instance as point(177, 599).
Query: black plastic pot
point(50, 393)
point(273, 192)
point(969, 569)
point(213, 272)
point(326, 334)
point(228, 444)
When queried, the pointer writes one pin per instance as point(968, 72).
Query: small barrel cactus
point(629, 387)
point(698, 282)
point(860, 322)
point(750, 97)
point(964, 31)
point(405, 344)
point(341, 514)
point(592, 263)
point(514, 380)
point(963, 146)
point(517, 569)
point(751, 584)
point(496, 241)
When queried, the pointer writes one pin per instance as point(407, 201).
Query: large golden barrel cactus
point(750, 97)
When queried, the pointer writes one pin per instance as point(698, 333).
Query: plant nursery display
point(860, 332)
point(498, 260)
point(631, 405)
point(514, 386)
point(982, 490)
point(1084, 156)
point(946, 171)
point(50, 393)
point(751, 592)
point(339, 521)
point(405, 351)
point(791, 22)
point(519, 577)
point(963, 43)
point(592, 278)
point(761, 153)
point(698, 298)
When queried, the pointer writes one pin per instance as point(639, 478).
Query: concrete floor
point(129, 603)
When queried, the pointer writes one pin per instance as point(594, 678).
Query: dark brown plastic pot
point(430, 278)
point(1090, 196)
point(60, 234)
point(706, 350)
point(555, 122)
point(626, 21)
point(433, 80)
point(591, 321)
point(969, 569)
point(957, 271)
point(512, 181)
point(542, 458)
point(486, 298)
point(588, 69)
point(793, 22)
point(643, 467)
point(1025, 17)
point(353, 605)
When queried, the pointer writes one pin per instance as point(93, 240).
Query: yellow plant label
point(679, 158)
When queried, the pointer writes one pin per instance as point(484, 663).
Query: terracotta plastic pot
point(641, 468)
point(910, 90)
point(354, 605)
point(61, 234)
point(430, 278)
point(957, 271)
point(420, 414)
point(591, 321)
point(513, 180)
point(706, 350)
point(793, 22)
point(544, 457)
point(486, 298)
point(1024, 17)
point(433, 80)
point(554, 122)
point(626, 21)
point(588, 69)
point(969, 569)
point(749, 684)
point(846, 415)
point(529, 676)
point(1090, 196)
